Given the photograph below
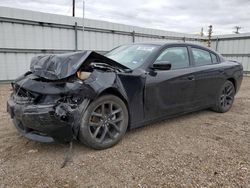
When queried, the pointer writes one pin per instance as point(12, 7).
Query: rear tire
point(104, 123)
point(225, 98)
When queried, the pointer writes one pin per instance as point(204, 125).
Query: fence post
point(76, 46)
point(133, 36)
point(217, 43)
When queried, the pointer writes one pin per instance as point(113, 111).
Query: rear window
point(201, 57)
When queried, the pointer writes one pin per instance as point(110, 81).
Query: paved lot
point(202, 149)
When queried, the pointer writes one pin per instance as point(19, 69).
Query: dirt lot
point(203, 149)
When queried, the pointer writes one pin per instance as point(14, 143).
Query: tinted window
point(177, 56)
point(214, 58)
point(132, 56)
point(201, 57)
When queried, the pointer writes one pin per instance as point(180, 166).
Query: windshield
point(131, 56)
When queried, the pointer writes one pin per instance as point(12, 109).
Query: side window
point(214, 58)
point(177, 56)
point(201, 57)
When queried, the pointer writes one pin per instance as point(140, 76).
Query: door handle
point(191, 77)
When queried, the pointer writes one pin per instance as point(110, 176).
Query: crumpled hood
point(59, 66)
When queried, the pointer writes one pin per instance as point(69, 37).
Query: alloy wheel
point(227, 96)
point(105, 122)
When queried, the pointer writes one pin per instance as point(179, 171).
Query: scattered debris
point(32, 151)
point(68, 155)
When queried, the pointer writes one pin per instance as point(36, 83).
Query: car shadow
point(79, 151)
point(77, 145)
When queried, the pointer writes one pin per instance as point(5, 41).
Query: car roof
point(162, 43)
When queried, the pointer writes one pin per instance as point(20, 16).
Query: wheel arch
point(234, 82)
point(115, 92)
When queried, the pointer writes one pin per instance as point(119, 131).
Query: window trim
point(176, 46)
point(217, 61)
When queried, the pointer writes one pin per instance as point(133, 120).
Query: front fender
point(128, 85)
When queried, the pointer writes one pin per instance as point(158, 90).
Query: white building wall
point(234, 47)
point(24, 34)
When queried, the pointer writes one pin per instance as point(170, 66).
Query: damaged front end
point(47, 102)
point(48, 111)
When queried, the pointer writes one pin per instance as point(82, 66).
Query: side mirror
point(161, 65)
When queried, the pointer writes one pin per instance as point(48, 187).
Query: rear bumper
point(43, 123)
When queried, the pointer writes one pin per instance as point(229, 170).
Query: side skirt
point(159, 119)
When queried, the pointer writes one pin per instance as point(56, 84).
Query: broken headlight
point(83, 75)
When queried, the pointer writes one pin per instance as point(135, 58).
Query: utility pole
point(202, 32)
point(210, 31)
point(237, 29)
point(73, 8)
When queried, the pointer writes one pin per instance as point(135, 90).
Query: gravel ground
point(202, 149)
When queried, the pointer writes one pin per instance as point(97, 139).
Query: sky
point(186, 16)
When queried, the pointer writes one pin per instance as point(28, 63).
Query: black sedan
point(96, 98)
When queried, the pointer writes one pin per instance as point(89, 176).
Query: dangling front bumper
point(45, 122)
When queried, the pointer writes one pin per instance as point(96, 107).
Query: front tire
point(226, 98)
point(104, 123)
